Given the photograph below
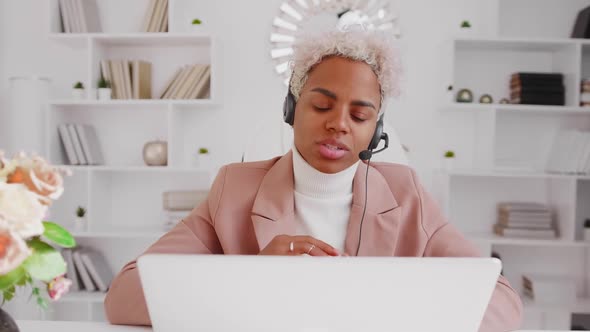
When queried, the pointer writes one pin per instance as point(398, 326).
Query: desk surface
point(53, 326)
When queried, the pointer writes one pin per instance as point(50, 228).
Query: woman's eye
point(321, 108)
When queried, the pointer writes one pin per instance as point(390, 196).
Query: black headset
point(378, 135)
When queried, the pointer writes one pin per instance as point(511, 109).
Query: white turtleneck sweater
point(322, 201)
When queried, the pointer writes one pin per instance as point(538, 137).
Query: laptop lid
point(283, 293)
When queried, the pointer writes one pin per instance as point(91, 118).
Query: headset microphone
point(367, 154)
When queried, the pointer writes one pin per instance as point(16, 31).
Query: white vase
point(79, 224)
point(449, 164)
point(587, 234)
point(104, 93)
point(198, 28)
point(204, 160)
point(78, 94)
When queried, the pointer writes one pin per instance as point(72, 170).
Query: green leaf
point(8, 294)
point(42, 302)
point(58, 235)
point(45, 263)
point(24, 280)
point(8, 280)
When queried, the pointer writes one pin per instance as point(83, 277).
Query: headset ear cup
point(377, 134)
point(289, 108)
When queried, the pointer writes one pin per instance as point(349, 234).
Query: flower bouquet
point(28, 186)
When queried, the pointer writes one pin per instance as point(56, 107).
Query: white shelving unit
point(123, 197)
point(502, 149)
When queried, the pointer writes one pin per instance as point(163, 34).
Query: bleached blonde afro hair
point(371, 47)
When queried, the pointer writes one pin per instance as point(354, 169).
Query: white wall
point(251, 91)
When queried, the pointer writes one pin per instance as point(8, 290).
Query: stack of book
point(79, 16)
point(80, 144)
point(87, 269)
point(178, 204)
point(189, 82)
point(570, 153)
point(526, 220)
point(130, 79)
point(585, 93)
point(549, 289)
point(156, 17)
point(537, 89)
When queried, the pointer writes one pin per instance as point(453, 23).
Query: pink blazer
point(250, 203)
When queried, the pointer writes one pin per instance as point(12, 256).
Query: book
point(539, 100)
point(581, 28)
point(142, 79)
point(170, 81)
point(148, 15)
point(68, 144)
point(81, 269)
point(90, 144)
point(178, 82)
point(97, 268)
point(525, 233)
point(77, 145)
point(127, 79)
point(71, 269)
point(89, 16)
point(202, 89)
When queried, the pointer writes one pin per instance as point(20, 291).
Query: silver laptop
point(255, 293)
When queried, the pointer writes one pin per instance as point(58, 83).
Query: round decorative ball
point(504, 101)
point(155, 153)
point(464, 96)
point(486, 99)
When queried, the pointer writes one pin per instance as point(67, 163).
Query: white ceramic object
point(78, 94)
point(155, 153)
point(105, 93)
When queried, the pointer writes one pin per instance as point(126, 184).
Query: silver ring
point(291, 246)
point(311, 248)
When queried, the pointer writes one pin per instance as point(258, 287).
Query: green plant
point(203, 151)
point(196, 21)
point(103, 84)
point(80, 212)
point(449, 154)
point(465, 24)
point(78, 85)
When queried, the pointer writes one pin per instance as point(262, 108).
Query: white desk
point(52, 326)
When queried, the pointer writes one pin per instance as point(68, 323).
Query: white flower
point(21, 210)
point(13, 250)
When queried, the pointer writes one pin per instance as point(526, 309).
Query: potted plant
point(196, 25)
point(80, 222)
point(104, 89)
point(28, 187)
point(449, 160)
point(78, 91)
point(203, 158)
point(587, 230)
point(466, 28)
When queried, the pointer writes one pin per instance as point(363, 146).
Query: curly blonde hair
point(370, 47)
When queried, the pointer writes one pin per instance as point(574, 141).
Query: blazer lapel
point(381, 220)
point(273, 212)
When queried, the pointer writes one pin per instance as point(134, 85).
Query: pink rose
point(58, 287)
point(13, 250)
point(40, 177)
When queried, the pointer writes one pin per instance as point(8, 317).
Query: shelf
point(513, 174)
point(581, 306)
point(499, 240)
point(163, 169)
point(132, 102)
point(81, 296)
point(525, 109)
point(120, 234)
point(541, 44)
point(133, 39)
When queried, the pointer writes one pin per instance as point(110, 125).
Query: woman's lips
point(332, 152)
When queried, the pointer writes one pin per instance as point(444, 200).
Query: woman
point(312, 200)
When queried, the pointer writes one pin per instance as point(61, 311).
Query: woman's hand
point(298, 245)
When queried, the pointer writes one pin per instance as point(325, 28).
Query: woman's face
point(336, 113)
